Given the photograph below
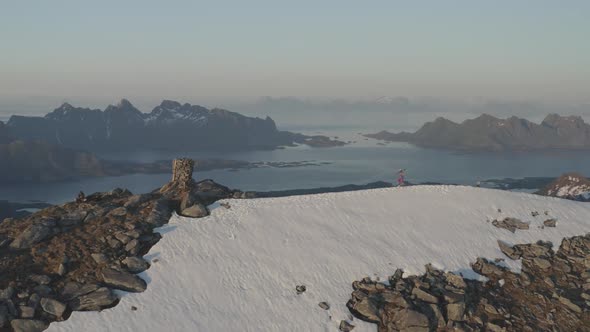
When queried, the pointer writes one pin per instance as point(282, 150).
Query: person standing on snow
point(401, 181)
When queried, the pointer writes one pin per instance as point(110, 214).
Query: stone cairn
point(182, 172)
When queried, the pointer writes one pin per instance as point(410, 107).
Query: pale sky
point(527, 49)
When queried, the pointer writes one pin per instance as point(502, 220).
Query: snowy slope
point(237, 269)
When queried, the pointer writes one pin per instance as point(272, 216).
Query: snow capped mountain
point(171, 111)
point(237, 269)
point(571, 186)
point(169, 126)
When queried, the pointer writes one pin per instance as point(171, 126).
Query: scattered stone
point(345, 326)
point(123, 280)
point(300, 289)
point(550, 223)
point(225, 205)
point(132, 247)
point(53, 307)
point(324, 305)
point(534, 214)
point(28, 325)
point(133, 308)
point(511, 224)
point(135, 264)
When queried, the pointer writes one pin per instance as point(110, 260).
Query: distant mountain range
point(61, 145)
point(488, 133)
point(169, 126)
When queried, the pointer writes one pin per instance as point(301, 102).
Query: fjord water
point(359, 163)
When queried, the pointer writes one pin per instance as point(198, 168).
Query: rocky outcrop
point(72, 256)
point(572, 186)
point(551, 293)
point(488, 133)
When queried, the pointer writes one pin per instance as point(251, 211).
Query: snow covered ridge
point(237, 269)
point(571, 186)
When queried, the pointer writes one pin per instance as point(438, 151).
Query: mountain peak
point(124, 103)
point(170, 104)
point(555, 120)
point(66, 107)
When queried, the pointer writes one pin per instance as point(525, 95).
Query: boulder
point(73, 290)
point(135, 264)
point(161, 212)
point(100, 258)
point(94, 301)
point(550, 223)
point(196, 211)
point(456, 311)
point(136, 200)
point(53, 307)
point(40, 279)
point(123, 280)
point(28, 325)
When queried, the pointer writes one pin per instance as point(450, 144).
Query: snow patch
point(237, 269)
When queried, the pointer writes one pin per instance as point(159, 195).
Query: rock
point(572, 306)
point(345, 326)
point(196, 211)
point(161, 212)
point(511, 224)
point(363, 307)
point(324, 305)
point(455, 280)
point(72, 290)
point(132, 247)
point(34, 301)
point(123, 238)
point(61, 269)
point(34, 234)
point(118, 212)
point(72, 219)
point(424, 296)
point(40, 279)
point(94, 301)
point(100, 258)
point(123, 280)
point(508, 250)
point(28, 325)
point(300, 289)
point(53, 307)
point(407, 318)
point(27, 312)
point(7, 293)
point(550, 223)
point(542, 263)
point(43, 290)
point(456, 311)
point(135, 264)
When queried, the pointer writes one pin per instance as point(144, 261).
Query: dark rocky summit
point(571, 186)
point(70, 257)
point(487, 133)
point(124, 127)
point(552, 293)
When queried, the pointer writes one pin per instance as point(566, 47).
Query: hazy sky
point(522, 49)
